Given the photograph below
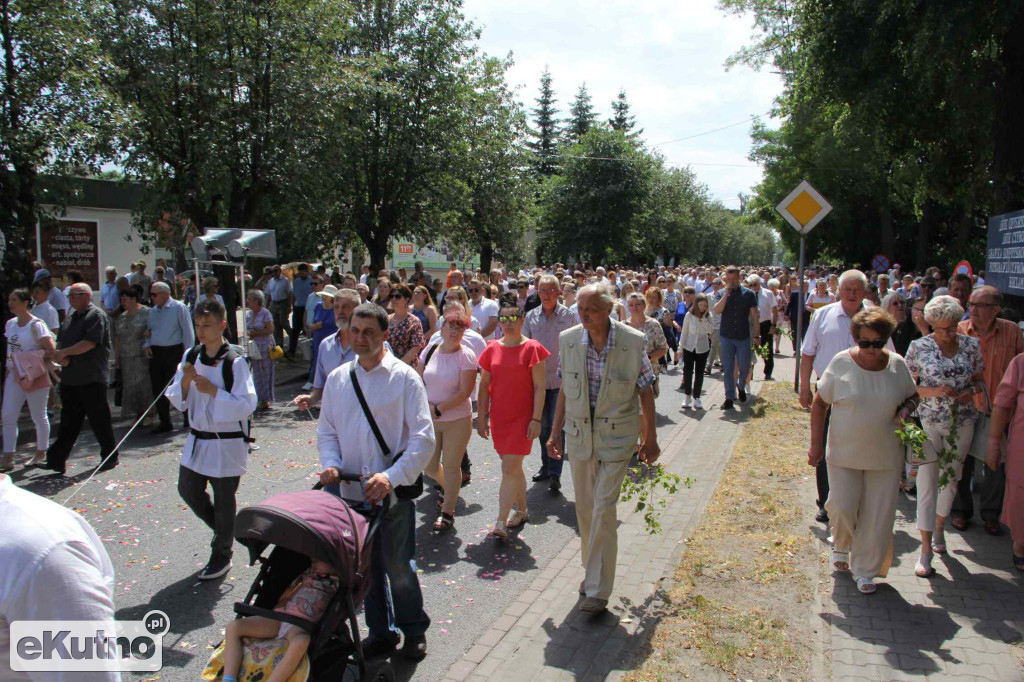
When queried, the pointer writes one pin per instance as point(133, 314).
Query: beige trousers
point(861, 507)
point(597, 486)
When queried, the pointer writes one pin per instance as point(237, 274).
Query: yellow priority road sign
point(804, 208)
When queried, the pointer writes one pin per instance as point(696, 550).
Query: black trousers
point(298, 325)
point(77, 403)
point(161, 370)
point(693, 371)
point(821, 471)
point(766, 341)
point(990, 486)
point(219, 514)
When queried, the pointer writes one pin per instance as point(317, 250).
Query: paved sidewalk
point(542, 635)
point(964, 623)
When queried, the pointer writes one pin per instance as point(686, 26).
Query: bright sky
point(667, 54)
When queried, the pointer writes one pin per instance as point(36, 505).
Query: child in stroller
point(314, 555)
point(307, 598)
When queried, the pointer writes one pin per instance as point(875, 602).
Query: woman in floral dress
point(949, 370)
point(260, 325)
point(405, 333)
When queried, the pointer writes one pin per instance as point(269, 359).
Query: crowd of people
point(572, 357)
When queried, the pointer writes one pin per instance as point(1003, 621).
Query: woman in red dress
point(512, 394)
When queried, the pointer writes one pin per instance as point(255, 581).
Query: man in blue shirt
point(170, 333)
point(279, 291)
point(302, 287)
point(740, 325)
point(109, 295)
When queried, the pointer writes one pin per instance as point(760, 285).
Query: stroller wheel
point(379, 671)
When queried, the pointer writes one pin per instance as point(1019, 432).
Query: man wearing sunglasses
point(827, 334)
point(485, 310)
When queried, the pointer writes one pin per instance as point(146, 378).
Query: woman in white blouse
point(24, 332)
point(867, 388)
point(695, 340)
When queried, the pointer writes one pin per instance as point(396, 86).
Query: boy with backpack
point(214, 384)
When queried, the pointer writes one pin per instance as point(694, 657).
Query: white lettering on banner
point(1005, 253)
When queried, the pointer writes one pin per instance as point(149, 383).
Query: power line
point(709, 132)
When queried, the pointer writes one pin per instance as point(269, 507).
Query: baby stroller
point(305, 525)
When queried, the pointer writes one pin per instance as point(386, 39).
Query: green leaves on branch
point(648, 484)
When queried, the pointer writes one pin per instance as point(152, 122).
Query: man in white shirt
point(348, 444)
point(767, 316)
point(826, 335)
point(485, 310)
point(110, 297)
point(365, 270)
point(55, 296)
point(52, 570)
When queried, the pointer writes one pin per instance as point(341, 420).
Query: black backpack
point(227, 373)
point(227, 364)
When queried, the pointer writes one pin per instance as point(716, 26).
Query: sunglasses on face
point(474, 290)
point(453, 327)
point(982, 306)
point(877, 345)
point(505, 319)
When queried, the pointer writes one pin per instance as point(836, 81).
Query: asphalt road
point(157, 545)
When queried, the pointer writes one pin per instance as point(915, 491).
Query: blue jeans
point(735, 353)
point(547, 417)
point(395, 601)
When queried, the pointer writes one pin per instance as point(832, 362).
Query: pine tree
point(621, 118)
point(582, 116)
point(545, 118)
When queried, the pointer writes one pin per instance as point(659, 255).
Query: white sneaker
point(307, 386)
point(686, 402)
point(697, 405)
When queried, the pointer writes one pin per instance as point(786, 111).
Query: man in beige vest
point(606, 377)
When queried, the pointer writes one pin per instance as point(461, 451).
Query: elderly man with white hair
point(826, 335)
point(606, 376)
point(767, 317)
point(950, 370)
point(170, 334)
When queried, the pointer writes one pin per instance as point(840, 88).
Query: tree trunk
point(486, 256)
point(1008, 143)
point(923, 229)
point(888, 239)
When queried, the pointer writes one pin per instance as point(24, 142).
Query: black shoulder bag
point(402, 492)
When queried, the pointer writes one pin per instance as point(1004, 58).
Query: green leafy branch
point(913, 436)
point(763, 352)
point(649, 485)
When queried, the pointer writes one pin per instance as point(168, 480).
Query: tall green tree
point(545, 131)
point(497, 170)
point(388, 160)
point(593, 209)
point(582, 116)
point(226, 95)
point(621, 118)
point(56, 114)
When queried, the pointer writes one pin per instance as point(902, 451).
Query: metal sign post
point(803, 208)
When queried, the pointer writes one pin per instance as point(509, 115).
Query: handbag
point(402, 492)
point(30, 370)
point(252, 350)
point(979, 442)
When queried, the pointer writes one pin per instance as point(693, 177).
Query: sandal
point(866, 586)
point(840, 560)
point(518, 518)
point(499, 532)
point(939, 543)
point(445, 522)
point(1018, 562)
point(924, 567)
